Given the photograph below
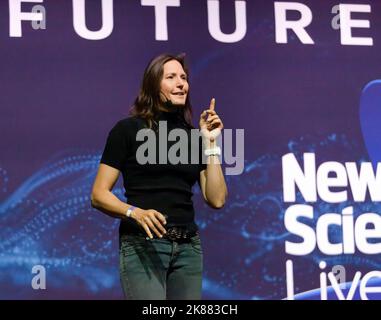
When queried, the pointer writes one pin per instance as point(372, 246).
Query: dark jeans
point(159, 269)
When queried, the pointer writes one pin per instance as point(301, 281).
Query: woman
point(160, 249)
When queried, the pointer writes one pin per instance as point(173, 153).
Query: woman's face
point(174, 84)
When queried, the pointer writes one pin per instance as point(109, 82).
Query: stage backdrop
point(302, 219)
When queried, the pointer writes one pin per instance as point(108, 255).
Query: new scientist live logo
point(359, 235)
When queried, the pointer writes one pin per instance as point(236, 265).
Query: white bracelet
point(129, 211)
point(213, 151)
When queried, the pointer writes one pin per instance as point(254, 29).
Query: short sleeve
point(115, 150)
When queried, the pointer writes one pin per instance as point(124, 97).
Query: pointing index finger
point(212, 104)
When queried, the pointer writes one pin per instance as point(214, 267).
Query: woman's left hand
point(211, 126)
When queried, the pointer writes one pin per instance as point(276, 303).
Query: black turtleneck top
point(166, 188)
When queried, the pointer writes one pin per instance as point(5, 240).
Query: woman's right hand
point(150, 220)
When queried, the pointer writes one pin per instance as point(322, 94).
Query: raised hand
point(210, 123)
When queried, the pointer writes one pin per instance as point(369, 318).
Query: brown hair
point(147, 103)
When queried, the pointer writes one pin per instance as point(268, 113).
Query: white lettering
point(214, 22)
point(79, 20)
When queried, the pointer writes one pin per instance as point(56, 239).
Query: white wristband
point(129, 211)
point(213, 151)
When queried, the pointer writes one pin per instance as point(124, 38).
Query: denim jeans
point(160, 269)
